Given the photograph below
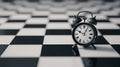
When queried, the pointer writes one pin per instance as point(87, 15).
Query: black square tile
point(57, 50)
point(18, 62)
point(58, 20)
point(35, 26)
point(58, 12)
point(108, 62)
point(72, 16)
point(118, 25)
point(104, 21)
point(110, 31)
point(28, 40)
point(101, 40)
point(58, 32)
point(101, 62)
point(16, 21)
point(114, 16)
point(116, 47)
point(8, 32)
point(4, 16)
point(2, 48)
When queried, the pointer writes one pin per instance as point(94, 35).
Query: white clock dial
point(84, 34)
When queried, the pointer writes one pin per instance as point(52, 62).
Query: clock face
point(84, 34)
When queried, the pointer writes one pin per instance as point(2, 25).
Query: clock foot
point(90, 46)
point(93, 47)
point(74, 46)
point(75, 50)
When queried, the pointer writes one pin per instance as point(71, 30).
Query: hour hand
point(80, 32)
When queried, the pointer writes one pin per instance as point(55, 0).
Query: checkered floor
point(39, 34)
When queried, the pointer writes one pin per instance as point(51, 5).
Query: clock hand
point(80, 32)
point(85, 31)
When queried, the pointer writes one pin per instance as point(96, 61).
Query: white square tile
point(37, 21)
point(22, 51)
point(41, 13)
point(47, 2)
point(106, 26)
point(73, 8)
point(58, 39)
point(93, 9)
point(100, 17)
point(6, 39)
point(32, 32)
point(11, 7)
point(101, 51)
point(1, 9)
point(115, 20)
point(26, 10)
point(70, 20)
point(60, 62)
point(7, 13)
point(12, 26)
point(112, 39)
point(56, 9)
point(20, 16)
point(72, 13)
point(98, 32)
point(110, 13)
point(43, 6)
point(58, 16)
point(3, 20)
point(58, 26)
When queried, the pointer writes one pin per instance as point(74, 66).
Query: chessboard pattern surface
point(39, 34)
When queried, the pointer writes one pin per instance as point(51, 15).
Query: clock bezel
point(94, 31)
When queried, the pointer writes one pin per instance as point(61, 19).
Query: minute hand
point(85, 31)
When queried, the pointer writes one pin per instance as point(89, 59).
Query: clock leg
point(93, 46)
point(75, 50)
point(74, 46)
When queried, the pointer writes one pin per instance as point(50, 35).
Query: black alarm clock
point(84, 33)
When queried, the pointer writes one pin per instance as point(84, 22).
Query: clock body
point(84, 34)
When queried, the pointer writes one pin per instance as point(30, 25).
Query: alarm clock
point(84, 33)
